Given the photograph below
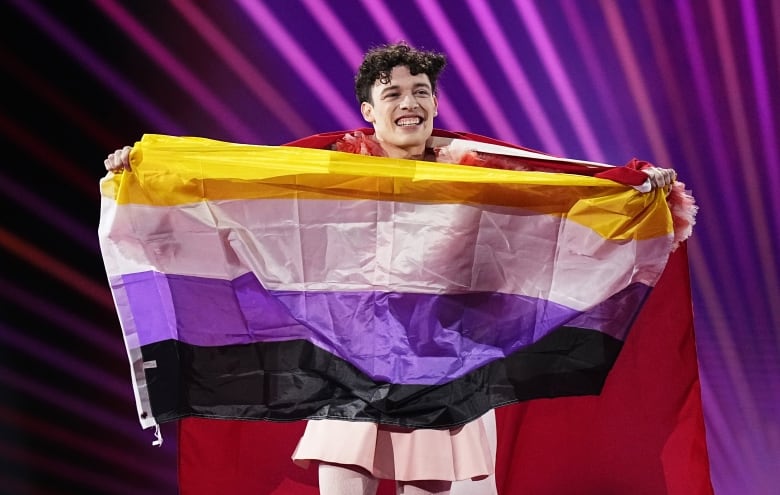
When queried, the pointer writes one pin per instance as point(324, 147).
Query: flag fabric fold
point(284, 283)
point(643, 434)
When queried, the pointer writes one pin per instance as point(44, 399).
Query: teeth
point(408, 121)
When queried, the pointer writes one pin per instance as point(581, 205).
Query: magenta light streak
point(601, 83)
point(764, 105)
point(86, 57)
point(719, 154)
point(628, 61)
point(52, 159)
point(50, 92)
point(91, 376)
point(720, 426)
point(741, 266)
point(775, 14)
point(336, 32)
point(306, 68)
point(244, 69)
point(106, 339)
point(69, 469)
point(563, 87)
point(87, 411)
point(672, 86)
point(707, 104)
point(22, 485)
point(709, 290)
point(463, 63)
point(696, 164)
point(117, 454)
point(174, 68)
point(353, 54)
point(732, 220)
point(385, 21)
point(54, 266)
point(509, 64)
point(732, 395)
point(761, 226)
point(49, 214)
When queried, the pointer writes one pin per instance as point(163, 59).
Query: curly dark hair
point(379, 62)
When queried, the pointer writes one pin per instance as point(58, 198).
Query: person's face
point(402, 113)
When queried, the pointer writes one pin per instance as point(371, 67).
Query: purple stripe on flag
point(453, 333)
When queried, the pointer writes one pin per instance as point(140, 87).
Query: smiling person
point(401, 106)
point(396, 88)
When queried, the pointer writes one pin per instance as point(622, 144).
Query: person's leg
point(427, 487)
point(485, 486)
point(336, 479)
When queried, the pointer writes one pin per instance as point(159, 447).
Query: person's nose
point(409, 102)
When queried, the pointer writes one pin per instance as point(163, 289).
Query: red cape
point(643, 435)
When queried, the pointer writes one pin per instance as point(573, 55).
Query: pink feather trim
point(683, 207)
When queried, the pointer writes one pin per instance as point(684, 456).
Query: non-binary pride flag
point(284, 283)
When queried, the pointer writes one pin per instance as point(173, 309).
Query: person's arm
point(480, 151)
point(119, 160)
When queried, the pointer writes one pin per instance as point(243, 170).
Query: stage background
point(685, 84)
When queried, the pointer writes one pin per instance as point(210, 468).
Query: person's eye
point(423, 92)
point(390, 96)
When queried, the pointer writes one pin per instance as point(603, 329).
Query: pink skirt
point(401, 454)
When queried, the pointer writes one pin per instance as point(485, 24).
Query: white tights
point(341, 480)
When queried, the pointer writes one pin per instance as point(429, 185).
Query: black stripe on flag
point(294, 380)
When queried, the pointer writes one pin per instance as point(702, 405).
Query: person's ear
point(367, 110)
point(435, 106)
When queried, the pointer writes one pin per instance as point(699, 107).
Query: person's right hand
point(119, 160)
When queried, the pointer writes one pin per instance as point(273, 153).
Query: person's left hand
point(660, 177)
